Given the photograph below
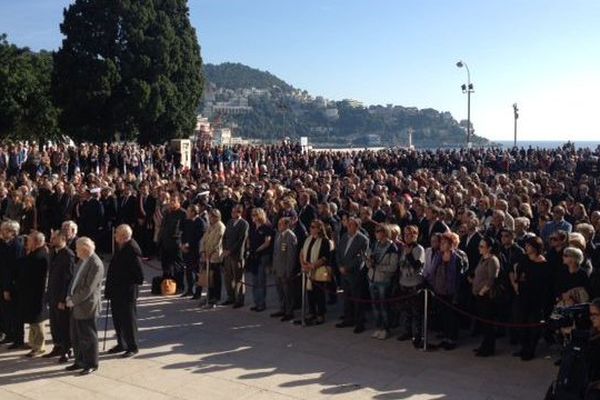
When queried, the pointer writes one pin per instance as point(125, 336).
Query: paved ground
point(190, 353)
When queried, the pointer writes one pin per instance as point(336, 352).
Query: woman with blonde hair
point(211, 255)
point(315, 253)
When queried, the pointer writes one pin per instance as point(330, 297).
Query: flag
point(221, 170)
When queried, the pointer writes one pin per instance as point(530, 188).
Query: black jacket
point(10, 255)
point(171, 230)
point(124, 273)
point(471, 248)
point(60, 275)
point(31, 285)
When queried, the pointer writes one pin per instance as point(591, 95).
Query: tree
point(130, 69)
point(26, 107)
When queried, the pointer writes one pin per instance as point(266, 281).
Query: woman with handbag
point(483, 284)
point(315, 257)
point(382, 261)
point(444, 278)
point(211, 258)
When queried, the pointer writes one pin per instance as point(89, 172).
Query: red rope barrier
point(487, 321)
point(367, 301)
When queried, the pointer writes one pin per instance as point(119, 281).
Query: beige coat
point(212, 242)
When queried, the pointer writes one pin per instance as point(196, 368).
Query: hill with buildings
point(258, 105)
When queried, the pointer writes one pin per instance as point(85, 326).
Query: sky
point(543, 55)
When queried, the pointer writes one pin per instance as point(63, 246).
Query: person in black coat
point(193, 230)
point(12, 248)
point(122, 288)
point(31, 285)
point(61, 272)
point(169, 242)
point(145, 207)
point(127, 204)
point(91, 218)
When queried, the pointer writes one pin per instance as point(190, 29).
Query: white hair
point(71, 225)
point(38, 238)
point(86, 242)
point(11, 226)
point(126, 229)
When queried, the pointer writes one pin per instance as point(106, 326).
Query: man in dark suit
point(470, 243)
point(59, 278)
point(109, 203)
point(122, 281)
point(169, 242)
point(61, 203)
point(146, 205)
point(285, 263)
point(193, 230)
point(91, 218)
point(350, 261)
point(307, 212)
point(85, 301)
point(127, 207)
point(234, 243)
point(31, 284)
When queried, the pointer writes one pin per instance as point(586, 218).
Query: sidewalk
point(190, 353)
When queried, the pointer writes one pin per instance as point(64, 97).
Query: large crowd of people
point(504, 235)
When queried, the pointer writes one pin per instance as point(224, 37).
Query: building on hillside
point(353, 103)
point(332, 113)
point(222, 137)
point(203, 132)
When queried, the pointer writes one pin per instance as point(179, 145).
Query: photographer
point(593, 389)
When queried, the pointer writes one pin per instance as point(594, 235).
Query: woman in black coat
point(31, 285)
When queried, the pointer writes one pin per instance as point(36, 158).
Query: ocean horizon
point(548, 144)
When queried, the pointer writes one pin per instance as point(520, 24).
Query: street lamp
point(516, 112)
point(468, 89)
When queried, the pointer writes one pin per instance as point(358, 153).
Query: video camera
point(577, 316)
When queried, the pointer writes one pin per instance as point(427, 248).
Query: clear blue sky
point(542, 54)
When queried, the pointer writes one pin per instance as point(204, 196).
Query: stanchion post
point(303, 313)
point(112, 241)
point(425, 318)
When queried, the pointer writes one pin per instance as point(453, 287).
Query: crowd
point(504, 235)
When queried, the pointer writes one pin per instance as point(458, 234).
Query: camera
point(577, 316)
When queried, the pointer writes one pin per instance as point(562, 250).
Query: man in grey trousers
point(84, 299)
point(285, 262)
point(234, 246)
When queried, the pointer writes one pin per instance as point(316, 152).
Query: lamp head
point(459, 64)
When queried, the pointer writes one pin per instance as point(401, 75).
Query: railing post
point(425, 318)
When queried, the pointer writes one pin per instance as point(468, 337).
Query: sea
point(548, 144)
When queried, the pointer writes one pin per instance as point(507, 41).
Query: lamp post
point(468, 89)
point(516, 112)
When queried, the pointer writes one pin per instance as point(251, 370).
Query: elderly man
point(12, 249)
point(59, 278)
point(85, 301)
point(31, 285)
point(69, 229)
point(122, 281)
point(234, 243)
point(558, 223)
point(285, 251)
point(350, 260)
